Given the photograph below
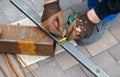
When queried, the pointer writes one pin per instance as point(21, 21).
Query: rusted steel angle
point(25, 40)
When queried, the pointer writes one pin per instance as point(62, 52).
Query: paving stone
point(87, 72)
point(82, 7)
point(65, 60)
point(75, 71)
point(33, 67)
point(59, 49)
point(36, 70)
point(1, 74)
point(116, 32)
point(115, 51)
point(118, 17)
point(3, 18)
point(115, 23)
point(65, 4)
point(102, 44)
point(34, 3)
point(107, 63)
point(38, 4)
point(84, 51)
point(11, 12)
point(119, 61)
point(45, 61)
point(51, 69)
point(66, 14)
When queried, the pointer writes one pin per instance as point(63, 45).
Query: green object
point(73, 16)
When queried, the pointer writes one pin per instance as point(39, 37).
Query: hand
point(81, 27)
point(0, 31)
point(52, 13)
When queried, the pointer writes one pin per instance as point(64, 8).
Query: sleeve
point(107, 7)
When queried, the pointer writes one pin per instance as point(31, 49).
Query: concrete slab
point(66, 14)
point(38, 4)
point(75, 71)
point(32, 4)
point(3, 18)
point(84, 51)
point(81, 7)
point(1, 74)
point(107, 63)
point(11, 12)
point(115, 51)
point(65, 60)
point(45, 61)
point(51, 69)
point(116, 32)
point(107, 41)
point(86, 71)
point(33, 67)
point(115, 23)
point(65, 4)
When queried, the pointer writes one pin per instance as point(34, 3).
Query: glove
point(0, 31)
point(52, 13)
point(81, 28)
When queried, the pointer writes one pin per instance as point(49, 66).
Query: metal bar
point(25, 40)
point(10, 69)
point(29, 69)
point(29, 12)
point(20, 65)
point(12, 66)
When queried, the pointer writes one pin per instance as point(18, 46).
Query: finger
point(78, 29)
point(70, 28)
point(0, 31)
point(73, 36)
point(60, 22)
point(45, 25)
point(53, 30)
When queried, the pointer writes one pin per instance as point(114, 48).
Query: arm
point(49, 1)
point(107, 7)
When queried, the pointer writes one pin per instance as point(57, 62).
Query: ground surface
point(105, 52)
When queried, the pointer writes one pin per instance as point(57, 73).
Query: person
point(86, 28)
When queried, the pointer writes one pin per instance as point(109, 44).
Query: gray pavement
point(105, 52)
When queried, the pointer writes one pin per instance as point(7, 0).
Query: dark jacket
point(107, 7)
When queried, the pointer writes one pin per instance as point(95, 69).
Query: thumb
point(70, 28)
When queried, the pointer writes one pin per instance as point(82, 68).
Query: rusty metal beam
point(25, 40)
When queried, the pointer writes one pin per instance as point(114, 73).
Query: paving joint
point(84, 70)
point(114, 35)
point(88, 52)
point(111, 53)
